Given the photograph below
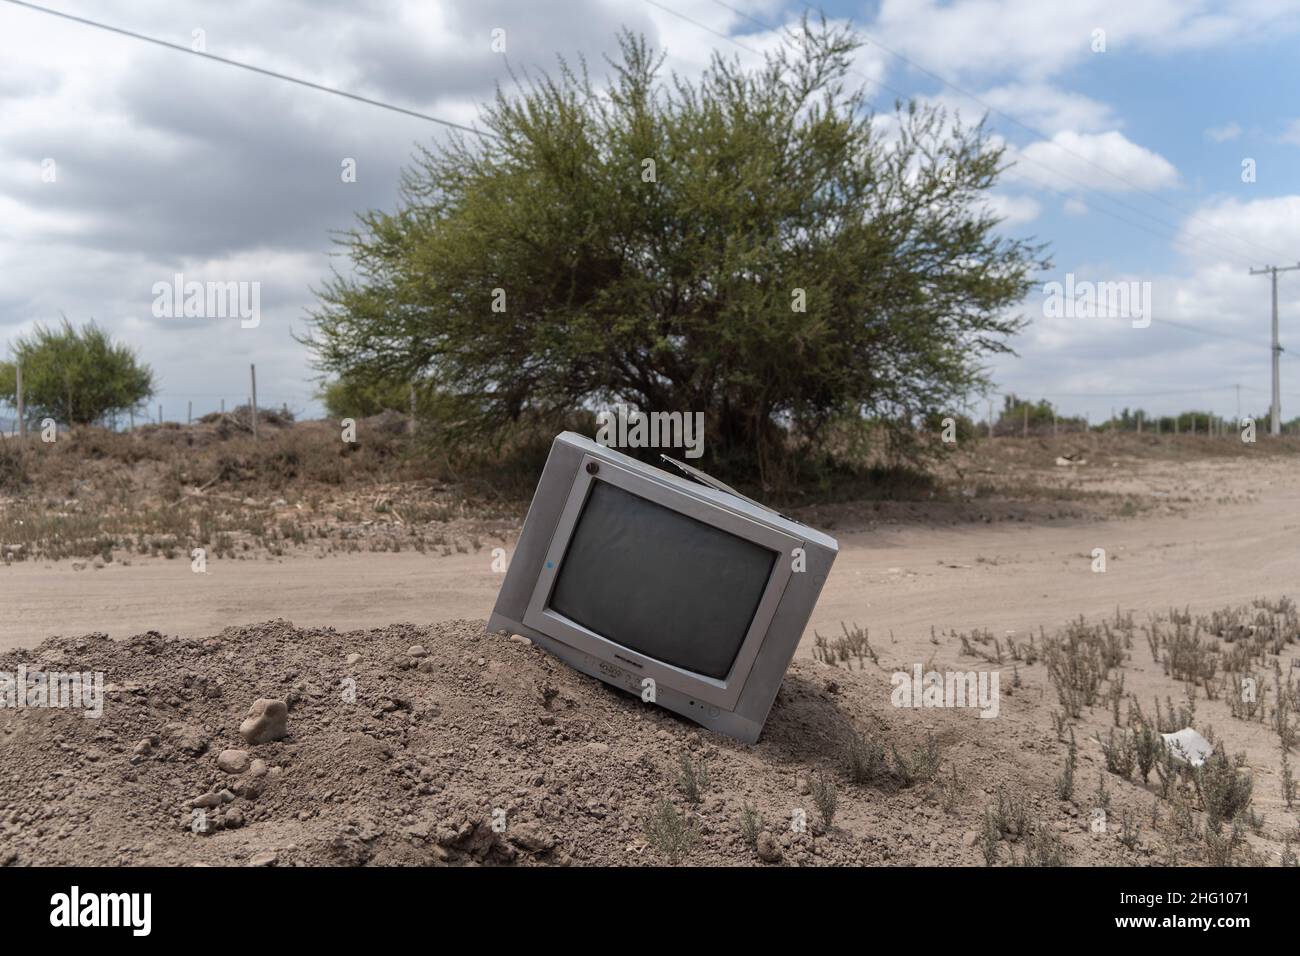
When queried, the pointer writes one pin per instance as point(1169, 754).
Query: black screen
point(665, 585)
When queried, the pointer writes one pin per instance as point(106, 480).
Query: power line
point(1037, 133)
point(1180, 391)
point(1211, 332)
point(253, 69)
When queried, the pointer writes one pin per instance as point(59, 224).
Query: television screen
point(659, 582)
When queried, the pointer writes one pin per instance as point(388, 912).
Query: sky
point(1152, 142)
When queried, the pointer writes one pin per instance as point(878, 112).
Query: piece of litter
point(1189, 746)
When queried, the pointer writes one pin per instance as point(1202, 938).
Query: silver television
point(673, 587)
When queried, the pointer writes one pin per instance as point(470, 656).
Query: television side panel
point(784, 634)
point(543, 515)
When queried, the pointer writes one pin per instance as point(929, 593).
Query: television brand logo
point(208, 300)
point(977, 689)
point(1098, 300)
point(41, 690)
point(629, 428)
point(75, 909)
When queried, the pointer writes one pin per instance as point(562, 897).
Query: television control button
point(592, 468)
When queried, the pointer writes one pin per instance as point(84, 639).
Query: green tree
point(757, 246)
point(349, 397)
point(75, 376)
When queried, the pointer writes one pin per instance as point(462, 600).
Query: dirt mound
point(419, 745)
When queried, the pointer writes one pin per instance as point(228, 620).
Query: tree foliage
point(756, 245)
point(75, 376)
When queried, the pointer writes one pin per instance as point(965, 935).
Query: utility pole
point(18, 384)
point(252, 370)
point(1238, 422)
point(1275, 415)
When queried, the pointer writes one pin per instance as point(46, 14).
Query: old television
point(671, 586)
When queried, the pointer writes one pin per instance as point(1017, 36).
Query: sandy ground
point(1007, 575)
point(415, 769)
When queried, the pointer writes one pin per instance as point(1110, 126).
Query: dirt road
point(1008, 575)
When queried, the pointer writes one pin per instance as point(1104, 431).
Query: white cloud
point(1222, 134)
point(1251, 230)
point(1075, 207)
point(1292, 132)
point(1209, 334)
point(1013, 210)
point(1033, 40)
point(1047, 108)
point(1109, 162)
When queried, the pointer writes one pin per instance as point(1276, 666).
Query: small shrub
point(693, 779)
point(668, 831)
point(1065, 782)
point(1225, 791)
point(751, 825)
point(825, 799)
point(867, 764)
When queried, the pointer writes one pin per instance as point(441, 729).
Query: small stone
point(207, 800)
point(264, 858)
point(352, 659)
point(769, 851)
point(416, 650)
point(802, 787)
point(187, 737)
point(969, 838)
point(257, 768)
point(531, 838)
point(268, 719)
point(598, 748)
point(233, 761)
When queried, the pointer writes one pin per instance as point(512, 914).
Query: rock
point(233, 761)
point(802, 787)
point(257, 768)
point(352, 659)
point(598, 748)
point(144, 748)
point(969, 838)
point(531, 838)
point(207, 800)
point(416, 650)
point(264, 858)
point(187, 737)
point(268, 719)
point(769, 851)
point(427, 666)
point(520, 639)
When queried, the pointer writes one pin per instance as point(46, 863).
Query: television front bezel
point(723, 693)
